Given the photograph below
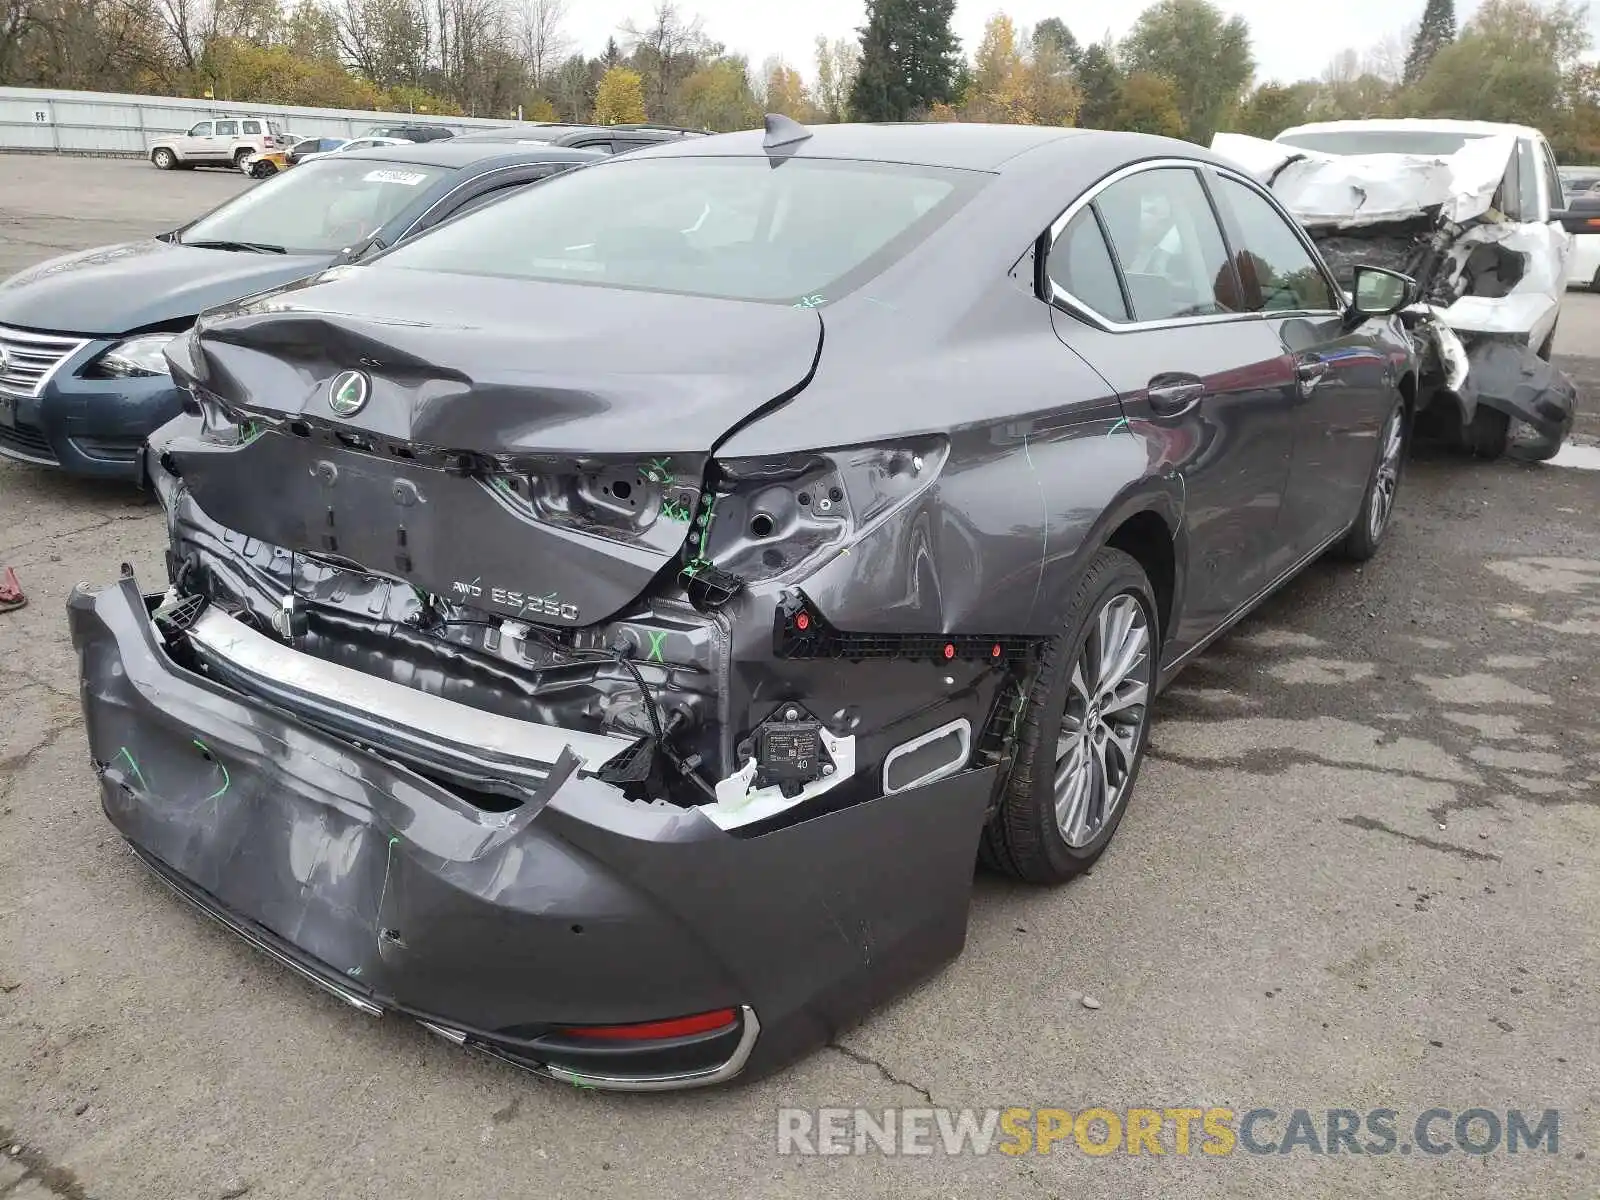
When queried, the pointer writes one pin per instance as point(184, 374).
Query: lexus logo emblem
point(347, 394)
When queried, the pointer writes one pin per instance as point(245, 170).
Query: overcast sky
point(1293, 39)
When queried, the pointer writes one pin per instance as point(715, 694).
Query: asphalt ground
point(1359, 873)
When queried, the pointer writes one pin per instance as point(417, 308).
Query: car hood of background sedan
point(498, 365)
point(115, 289)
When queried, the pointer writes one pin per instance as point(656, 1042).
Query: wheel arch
point(1146, 537)
point(1146, 523)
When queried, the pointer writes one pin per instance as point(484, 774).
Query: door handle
point(1169, 395)
point(1309, 371)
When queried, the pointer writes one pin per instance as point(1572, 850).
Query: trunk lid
point(534, 450)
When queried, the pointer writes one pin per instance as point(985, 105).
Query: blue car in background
point(83, 380)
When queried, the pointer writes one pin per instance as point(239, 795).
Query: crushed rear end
point(482, 695)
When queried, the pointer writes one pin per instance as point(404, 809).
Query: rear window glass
point(1380, 141)
point(804, 232)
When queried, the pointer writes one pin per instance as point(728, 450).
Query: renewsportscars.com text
point(1180, 1131)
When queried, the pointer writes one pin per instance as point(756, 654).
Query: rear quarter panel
point(1042, 468)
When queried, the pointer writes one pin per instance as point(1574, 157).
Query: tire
point(240, 155)
point(1487, 435)
point(163, 158)
point(1025, 837)
point(263, 170)
point(1383, 489)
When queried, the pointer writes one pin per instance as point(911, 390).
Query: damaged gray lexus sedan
point(607, 629)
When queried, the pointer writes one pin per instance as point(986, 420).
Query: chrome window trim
point(1079, 307)
point(1081, 310)
point(423, 216)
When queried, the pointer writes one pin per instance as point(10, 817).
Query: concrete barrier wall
point(44, 120)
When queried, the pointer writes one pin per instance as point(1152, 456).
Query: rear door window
point(1166, 239)
point(227, 129)
point(1276, 272)
point(1080, 264)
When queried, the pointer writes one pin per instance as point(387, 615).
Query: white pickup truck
point(1475, 213)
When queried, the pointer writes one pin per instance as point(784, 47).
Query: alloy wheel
point(1108, 699)
point(1387, 480)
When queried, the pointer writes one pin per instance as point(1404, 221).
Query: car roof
point(972, 147)
point(558, 131)
point(1416, 125)
point(458, 152)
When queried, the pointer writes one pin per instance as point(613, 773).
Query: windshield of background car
point(803, 232)
point(320, 207)
point(1380, 141)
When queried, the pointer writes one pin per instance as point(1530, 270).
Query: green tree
point(1101, 84)
point(785, 92)
point(1053, 95)
point(837, 64)
point(1149, 105)
point(1052, 35)
point(1511, 63)
point(1274, 107)
point(908, 59)
point(1205, 57)
point(1576, 138)
point(1438, 30)
point(572, 89)
point(718, 96)
point(619, 100)
point(311, 31)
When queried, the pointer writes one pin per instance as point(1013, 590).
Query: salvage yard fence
point(51, 121)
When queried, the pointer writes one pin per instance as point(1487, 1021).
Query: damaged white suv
point(1474, 212)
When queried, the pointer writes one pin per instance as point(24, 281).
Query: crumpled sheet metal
point(1507, 376)
point(591, 910)
point(1530, 306)
point(1448, 348)
point(1352, 190)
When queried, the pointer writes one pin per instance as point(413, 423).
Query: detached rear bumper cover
point(496, 928)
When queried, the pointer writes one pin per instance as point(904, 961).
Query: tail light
point(651, 1031)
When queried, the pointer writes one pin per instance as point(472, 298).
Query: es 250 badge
point(526, 603)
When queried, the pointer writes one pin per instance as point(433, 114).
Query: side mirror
point(1380, 291)
point(1577, 221)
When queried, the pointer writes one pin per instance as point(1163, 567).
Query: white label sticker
point(409, 178)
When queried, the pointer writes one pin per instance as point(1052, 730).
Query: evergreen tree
point(1438, 30)
point(1101, 83)
point(908, 59)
